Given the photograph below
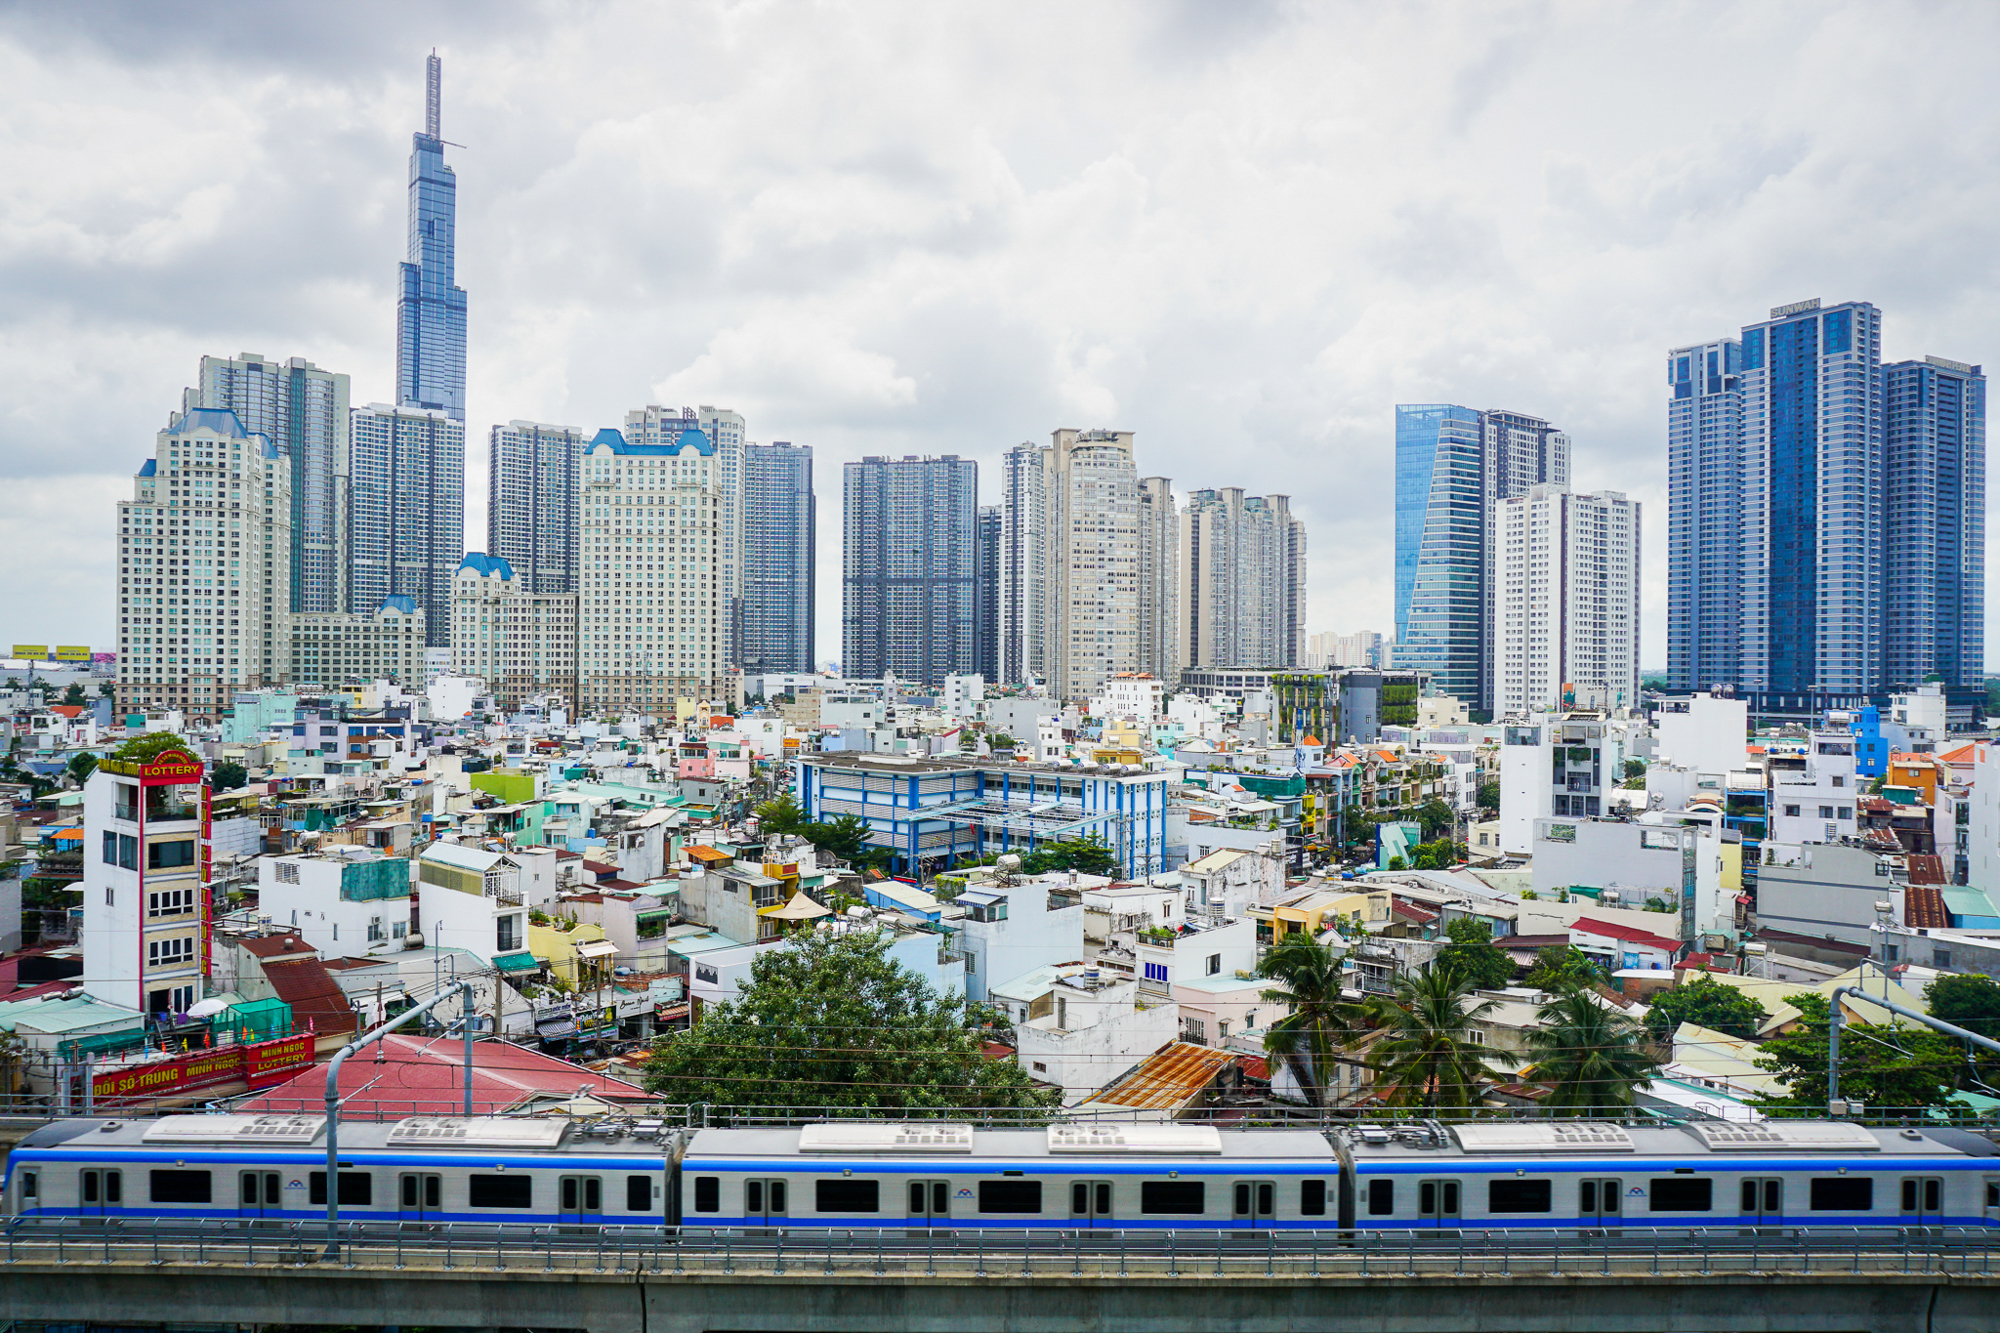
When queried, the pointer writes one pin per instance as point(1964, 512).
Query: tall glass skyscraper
point(779, 531)
point(909, 555)
point(986, 597)
point(1935, 623)
point(531, 502)
point(1452, 463)
point(406, 535)
point(430, 313)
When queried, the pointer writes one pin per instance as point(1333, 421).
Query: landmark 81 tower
point(430, 314)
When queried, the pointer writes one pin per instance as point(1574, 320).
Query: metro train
point(907, 1174)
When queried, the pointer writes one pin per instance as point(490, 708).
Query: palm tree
point(779, 815)
point(1308, 977)
point(1427, 1049)
point(1591, 1055)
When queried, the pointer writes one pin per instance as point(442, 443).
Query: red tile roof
point(1629, 934)
point(420, 1076)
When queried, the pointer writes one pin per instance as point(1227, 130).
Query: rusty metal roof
point(1168, 1079)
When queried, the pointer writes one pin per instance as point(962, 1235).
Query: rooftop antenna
point(433, 87)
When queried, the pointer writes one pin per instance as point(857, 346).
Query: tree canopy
point(228, 775)
point(1887, 1067)
point(1426, 1050)
point(832, 1020)
point(781, 814)
point(1436, 819)
point(1320, 1021)
point(1473, 955)
point(1086, 856)
point(142, 749)
point(81, 766)
point(1708, 1003)
point(1592, 1057)
point(1563, 968)
point(848, 837)
point(1967, 1000)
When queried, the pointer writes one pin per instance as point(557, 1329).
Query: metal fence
point(1467, 1254)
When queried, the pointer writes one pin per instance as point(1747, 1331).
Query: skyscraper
point(1093, 560)
point(406, 533)
point(908, 577)
point(302, 410)
point(532, 502)
point(663, 426)
point(1452, 463)
point(1566, 599)
point(986, 595)
point(1243, 567)
point(430, 312)
point(1936, 616)
point(1024, 571)
point(779, 527)
point(1160, 646)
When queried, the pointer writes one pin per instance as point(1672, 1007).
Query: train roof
point(422, 1133)
point(1697, 1138)
point(899, 1140)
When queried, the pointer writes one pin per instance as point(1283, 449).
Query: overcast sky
point(1245, 231)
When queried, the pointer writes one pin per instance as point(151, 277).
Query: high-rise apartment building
point(1243, 564)
point(532, 501)
point(335, 648)
point(204, 567)
point(1160, 640)
point(653, 426)
point(1093, 560)
point(651, 623)
point(1364, 648)
point(406, 531)
point(302, 410)
point(779, 531)
point(1566, 600)
point(1023, 573)
point(522, 643)
point(430, 310)
point(1826, 530)
point(908, 576)
point(986, 594)
point(1452, 463)
point(1935, 621)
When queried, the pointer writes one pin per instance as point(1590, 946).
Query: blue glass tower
point(430, 313)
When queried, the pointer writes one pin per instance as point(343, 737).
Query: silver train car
point(907, 1174)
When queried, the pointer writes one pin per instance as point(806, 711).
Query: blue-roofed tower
point(430, 309)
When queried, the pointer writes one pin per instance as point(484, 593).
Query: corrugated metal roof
point(1168, 1080)
point(1924, 907)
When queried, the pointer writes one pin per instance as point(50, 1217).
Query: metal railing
point(1458, 1255)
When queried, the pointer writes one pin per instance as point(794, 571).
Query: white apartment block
point(1133, 694)
point(1243, 568)
point(1093, 519)
point(725, 430)
point(333, 648)
point(520, 642)
point(144, 867)
point(1361, 649)
point(652, 622)
point(1024, 565)
point(1813, 791)
point(1565, 590)
point(204, 568)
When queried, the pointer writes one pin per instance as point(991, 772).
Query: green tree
point(73, 696)
point(848, 837)
point(1886, 1067)
point(228, 775)
point(143, 749)
point(1635, 768)
point(1427, 1051)
point(81, 766)
point(1086, 856)
point(1592, 1056)
point(1320, 1022)
point(832, 1020)
point(1000, 740)
point(1440, 855)
point(1564, 968)
point(1708, 1003)
point(1473, 955)
point(779, 815)
point(1968, 1000)
point(1436, 819)
point(1489, 797)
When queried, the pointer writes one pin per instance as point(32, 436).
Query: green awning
point(516, 962)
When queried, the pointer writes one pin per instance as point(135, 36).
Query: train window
point(356, 1187)
point(1312, 1198)
point(847, 1196)
point(753, 1196)
point(1842, 1194)
point(1381, 1198)
point(1680, 1194)
point(777, 1203)
point(1010, 1196)
point(31, 1183)
point(1179, 1197)
point(1519, 1196)
point(181, 1187)
point(638, 1194)
point(500, 1191)
point(708, 1194)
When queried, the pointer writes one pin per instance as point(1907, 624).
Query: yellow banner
point(32, 651)
point(72, 652)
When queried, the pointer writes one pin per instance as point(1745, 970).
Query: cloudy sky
point(1243, 230)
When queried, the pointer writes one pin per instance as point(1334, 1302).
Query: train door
point(1991, 1187)
point(581, 1199)
point(1923, 1200)
point(1600, 1203)
point(258, 1193)
point(1763, 1201)
point(764, 1202)
point(930, 1203)
point(102, 1191)
point(1090, 1203)
point(1255, 1203)
point(1437, 1203)
point(420, 1195)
